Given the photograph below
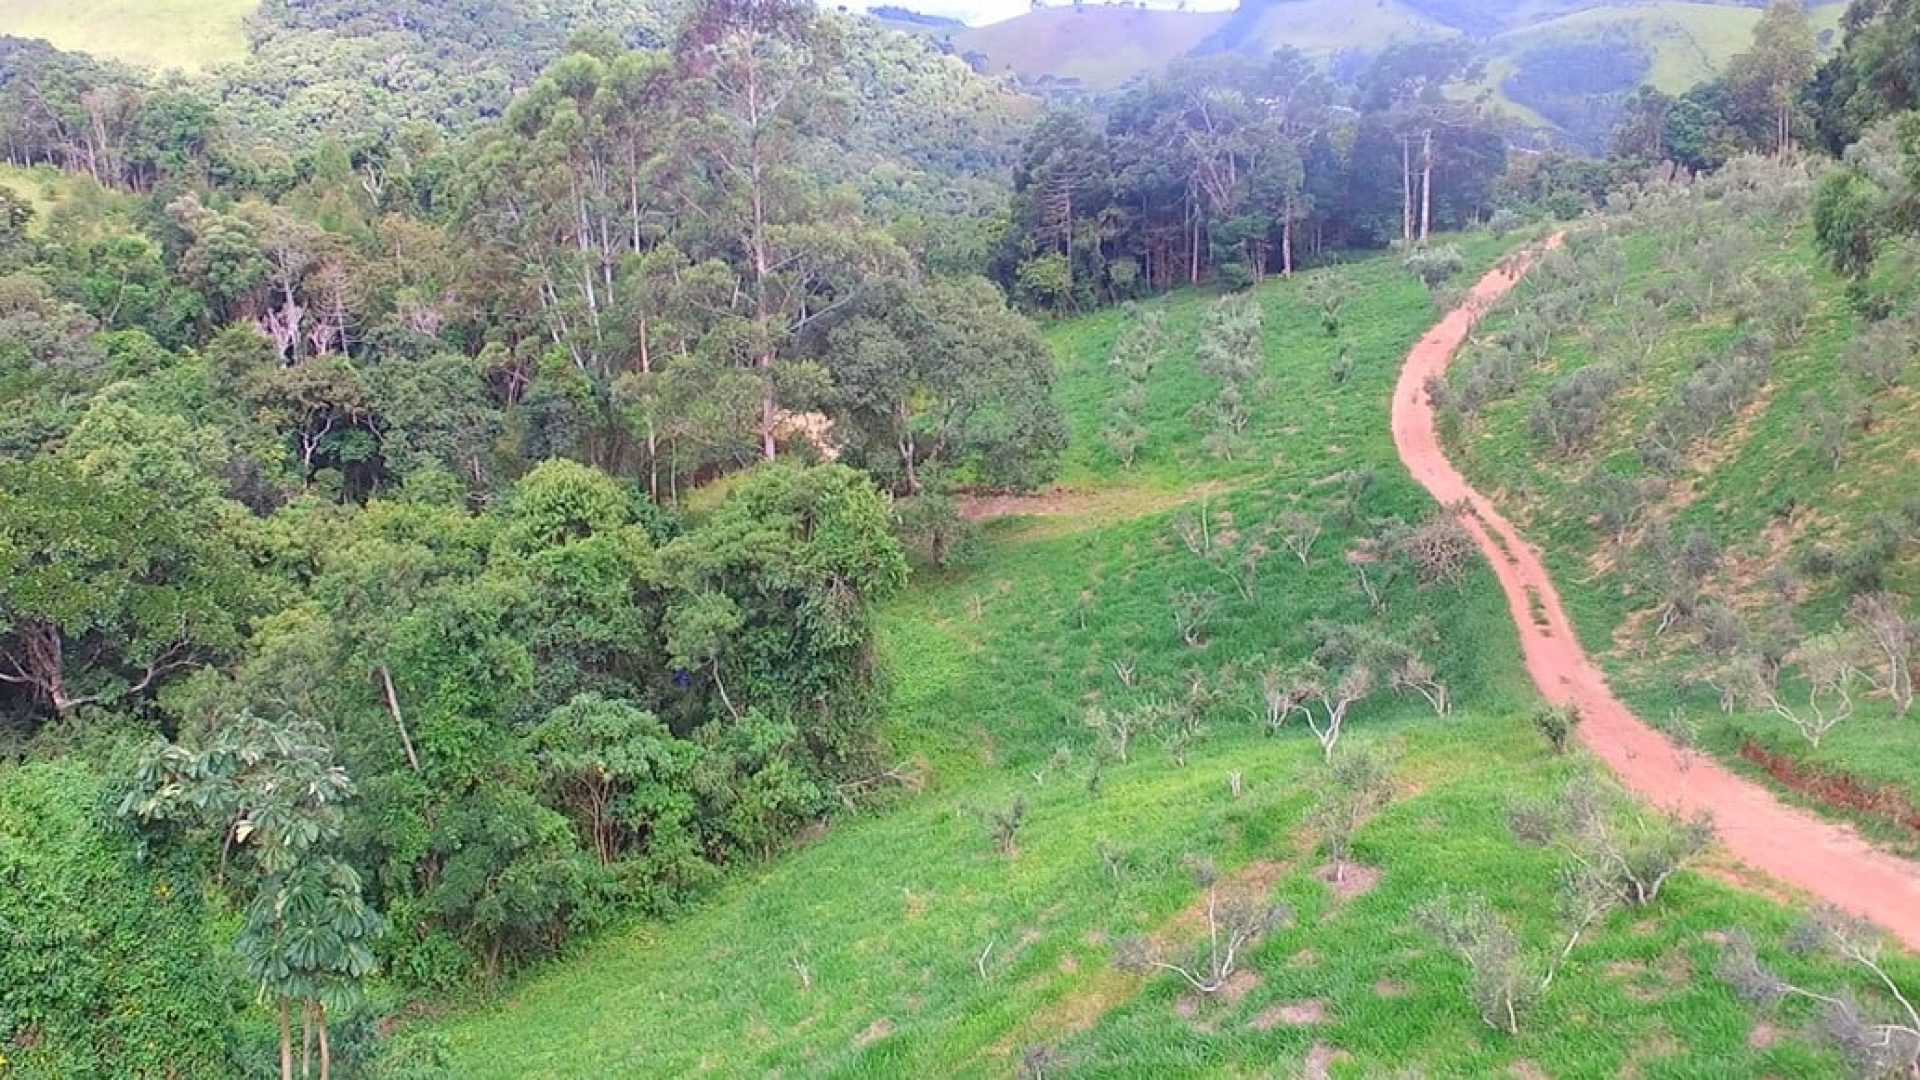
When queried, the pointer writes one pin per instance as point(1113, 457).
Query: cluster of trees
point(655, 261)
point(1230, 167)
point(1759, 105)
point(492, 729)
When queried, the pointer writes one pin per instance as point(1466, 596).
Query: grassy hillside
point(1325, 27)
point(1802, 474)
point(1102, 47)
point(902, 943)
point(186, 34)
point(1684, 44)
point(1099, 46)
point(39, 186)
point(1689, 42)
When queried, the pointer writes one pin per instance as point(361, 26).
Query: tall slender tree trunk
point(762, 274)
point(908, 451)
point(1066, 237)
point(1286, 243)
point(399, 721)
point(653, 436)
point(286, 1042)
point(1406, 192)
point(326, 1049)
point(1426, 184)
point(1193, 265)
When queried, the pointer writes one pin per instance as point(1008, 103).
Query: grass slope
point(1099, 46)
point(1688, 43)
point(39, 187)
point(900, 943)
point(46, 188)
point(1102, 47)
point(1739, 483)
point(187, 34)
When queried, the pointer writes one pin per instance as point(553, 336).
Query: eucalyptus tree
point(761, 92)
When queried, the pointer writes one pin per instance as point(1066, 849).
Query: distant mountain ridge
point(1559, 66)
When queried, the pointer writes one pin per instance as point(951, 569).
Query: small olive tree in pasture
point(1881, 354)
point(1575, 406)
point(1557, 724)
point(1298, 531)
point(1230, 352)
point(1119, 728)
point(1674, 569)
point(1136, 351)
point(1893, 637)
point(1626, 850)
point(1825, 427)
point(1003, 824)
point(1505, 981)
point(1813, 691)
point(1193, 610)
point(1352, 788)
point(1878, 1034)
point(1329, 697)
point(1435, 266)
point(1235, 920)
point(1236, 554)
point(1618, 503)
point(1615, 857)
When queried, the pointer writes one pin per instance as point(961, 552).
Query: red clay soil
point(1884, 805)
point(1828, 860)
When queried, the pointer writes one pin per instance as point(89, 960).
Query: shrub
point(1880, 1036)
point(1192, 612)
point(1624, 852)
point(1574, 406)
point(1439, 548)
point(1433, 266)
point(933, 530)
point(1881, 354)
point(1503, 981)
point(107, 967)
point(1556, 724)
point(1003, 825)
point(1351, 789)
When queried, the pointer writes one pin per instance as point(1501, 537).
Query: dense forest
point(453, 458)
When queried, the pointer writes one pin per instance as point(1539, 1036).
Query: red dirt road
point(1828, 860)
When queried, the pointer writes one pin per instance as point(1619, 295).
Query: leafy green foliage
point(105, 591)
point(108, 966)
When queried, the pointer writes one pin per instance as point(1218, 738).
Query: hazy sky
point(976, 12)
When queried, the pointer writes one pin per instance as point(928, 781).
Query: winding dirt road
point(1828, 860)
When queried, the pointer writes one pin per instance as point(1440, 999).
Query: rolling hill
point(190, 35)
point(1095, 47)
point(904, 943)
point(1553, 72)
point(1554, 65)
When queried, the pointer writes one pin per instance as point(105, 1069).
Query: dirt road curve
point(1830, 861)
